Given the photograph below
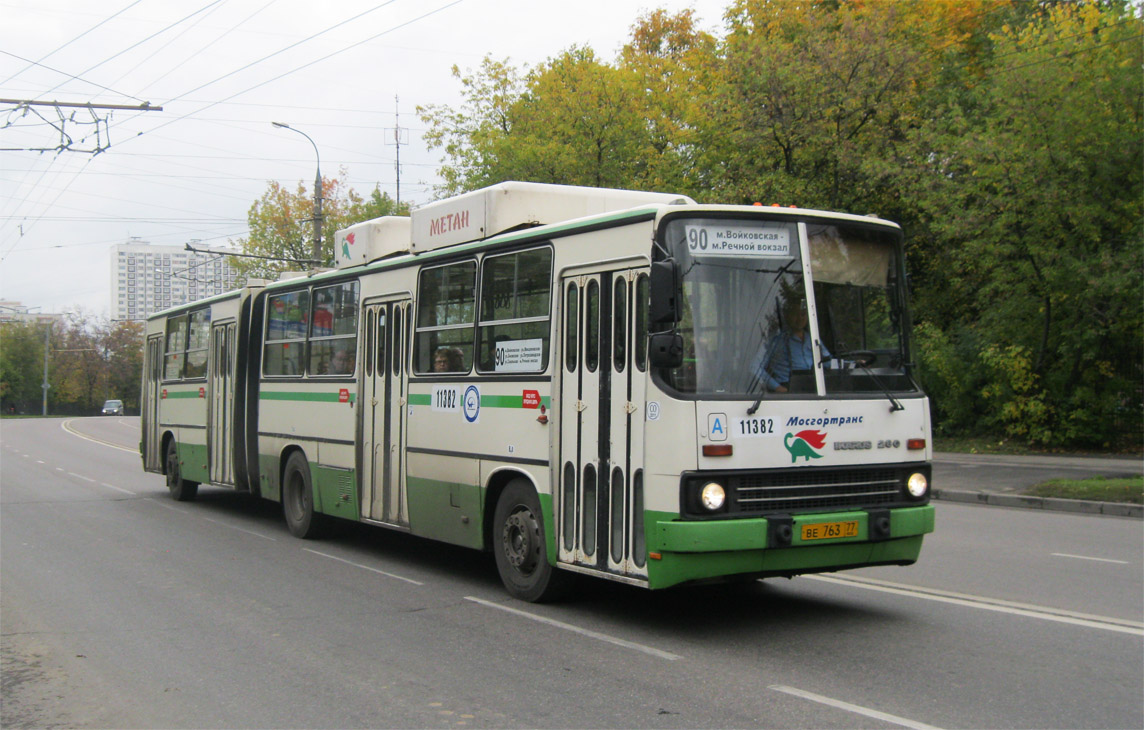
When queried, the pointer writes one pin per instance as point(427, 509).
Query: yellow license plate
point(828, 530)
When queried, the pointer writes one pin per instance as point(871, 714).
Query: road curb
point(1024, 501)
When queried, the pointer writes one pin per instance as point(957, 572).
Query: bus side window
point(285, 334)
point(516, 301)
point(198, 344)
point(333, 329)
point(176, 346)
point(445, 312)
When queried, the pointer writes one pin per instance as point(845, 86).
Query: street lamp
point(316, 246)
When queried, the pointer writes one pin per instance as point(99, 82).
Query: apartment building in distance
point(148, 278)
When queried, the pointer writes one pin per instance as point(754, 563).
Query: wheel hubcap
point(521, 538)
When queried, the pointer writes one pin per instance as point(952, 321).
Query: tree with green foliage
point(89, 361)
point(1034, 186)
point(21, 365)
point(470, 134)
point(281, 226)
point(1005, 136)
point(813, 97)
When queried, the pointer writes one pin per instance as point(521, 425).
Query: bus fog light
point(712, 496)
point(917, 485)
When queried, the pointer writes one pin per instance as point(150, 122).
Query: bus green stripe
point(173, 394)
point(487, 401)
point(507, 401)
point(308, 397)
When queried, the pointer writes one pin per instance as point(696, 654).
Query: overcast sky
point(223, 70)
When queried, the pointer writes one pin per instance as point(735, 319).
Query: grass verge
point(1099, 489)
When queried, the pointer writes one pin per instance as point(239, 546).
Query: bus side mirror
point(665, 349)
point(664, 293)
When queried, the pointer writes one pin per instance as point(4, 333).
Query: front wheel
point(181, 489)
point(520, 547)
point(298, 499)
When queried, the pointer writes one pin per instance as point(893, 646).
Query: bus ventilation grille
point(818, 489)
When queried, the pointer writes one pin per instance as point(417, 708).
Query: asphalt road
point(121, 608)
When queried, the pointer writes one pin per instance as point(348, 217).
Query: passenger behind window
point(448, 360)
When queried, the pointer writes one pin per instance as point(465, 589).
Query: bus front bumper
point(688, 550)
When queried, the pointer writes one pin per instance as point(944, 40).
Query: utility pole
point(397, 141)
point(47, 349)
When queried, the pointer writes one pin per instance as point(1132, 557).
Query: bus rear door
point(220, 426)
point(149, 407)
point(384, 382)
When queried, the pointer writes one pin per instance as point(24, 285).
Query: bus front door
point(149, 405)
point(220, 435)
point(600, 501)
point(384, 382)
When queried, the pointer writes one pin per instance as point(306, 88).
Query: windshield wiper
point(755, 406)
point(895, 405)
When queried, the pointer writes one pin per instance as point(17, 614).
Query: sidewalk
point(999, 480)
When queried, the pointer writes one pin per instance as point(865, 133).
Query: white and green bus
point(606, 382)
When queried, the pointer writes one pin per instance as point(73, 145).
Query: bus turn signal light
point(716, 449)
point(915, 444)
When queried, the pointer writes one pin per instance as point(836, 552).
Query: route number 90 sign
point(745, 241)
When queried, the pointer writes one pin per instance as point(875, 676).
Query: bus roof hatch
point(510, 205)
point(371, 240)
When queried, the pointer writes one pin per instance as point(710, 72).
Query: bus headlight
point(917, 484)
point(712, 496)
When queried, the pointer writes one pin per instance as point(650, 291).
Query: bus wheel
point(520, 547)
point(181, 490)
point(298, 499)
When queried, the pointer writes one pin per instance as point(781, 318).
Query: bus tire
point(181, 490)
point(298, 499)
point(520, 547)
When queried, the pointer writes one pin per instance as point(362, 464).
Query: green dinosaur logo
point(804, 444)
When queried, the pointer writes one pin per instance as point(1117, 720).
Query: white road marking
point(171, 507)
point(81, 476)
point(39, 462)
point(118, 489)
point(66, 425)
point(577, 630)
point(1085, 557)
point(364, 567)
point(858, 709)
point(248, 532)
point(1012, 608)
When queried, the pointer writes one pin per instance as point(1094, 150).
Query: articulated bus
point(616, 383)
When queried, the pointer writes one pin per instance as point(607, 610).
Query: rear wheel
point(521, 549)
point(181, 489)
point(298, 499)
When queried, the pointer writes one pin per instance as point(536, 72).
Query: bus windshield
point(747, 308)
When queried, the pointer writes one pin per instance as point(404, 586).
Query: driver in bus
point(789, 350)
